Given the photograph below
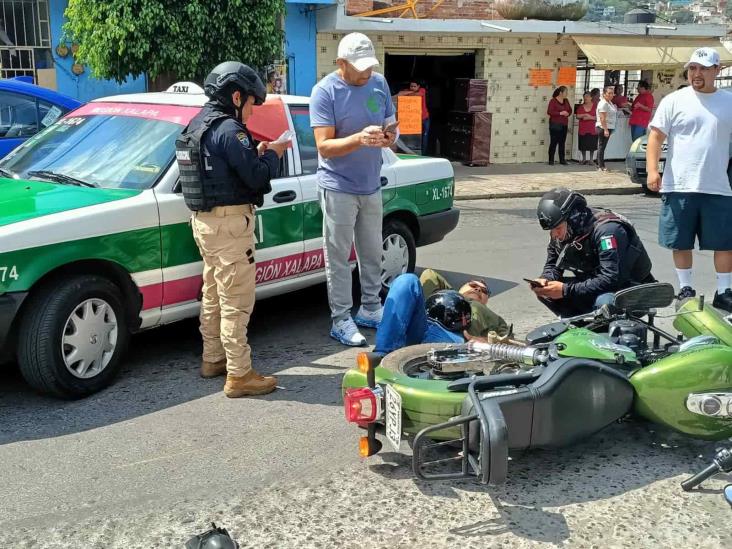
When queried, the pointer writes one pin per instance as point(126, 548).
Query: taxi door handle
point(384, 181)
point(284, 196)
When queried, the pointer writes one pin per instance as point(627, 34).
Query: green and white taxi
point(95, 242)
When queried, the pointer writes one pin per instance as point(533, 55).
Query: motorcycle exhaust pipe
point(530, 356)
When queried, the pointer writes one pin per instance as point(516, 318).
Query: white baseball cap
point(358, 50)
point(706, 57)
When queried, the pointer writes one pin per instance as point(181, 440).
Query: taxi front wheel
point(73, 336)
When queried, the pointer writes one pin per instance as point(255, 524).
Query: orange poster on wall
point(540, 77)
point(567, 76)
point(409, 113)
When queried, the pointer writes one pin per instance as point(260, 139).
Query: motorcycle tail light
point(363, 405)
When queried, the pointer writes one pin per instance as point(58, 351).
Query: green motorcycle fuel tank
point(583, 343)
point(704, 368)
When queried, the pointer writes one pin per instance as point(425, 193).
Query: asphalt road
point(154, 458)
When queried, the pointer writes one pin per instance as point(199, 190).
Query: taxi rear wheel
point(399, 251)
point(73, 336)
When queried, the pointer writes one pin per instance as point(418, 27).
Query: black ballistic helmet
point(557, 205)
point(215, 538)
point(450, 309)
point(244, 78)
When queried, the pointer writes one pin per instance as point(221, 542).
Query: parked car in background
point(25, 109)
point(95, 240)
point(635, 161)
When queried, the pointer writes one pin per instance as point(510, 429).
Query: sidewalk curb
point(538, 193)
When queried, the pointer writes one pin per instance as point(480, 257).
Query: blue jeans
point(404, 321)
point(425, 135)
point(636, 131)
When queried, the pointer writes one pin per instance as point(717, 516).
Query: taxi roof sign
point(185, 87)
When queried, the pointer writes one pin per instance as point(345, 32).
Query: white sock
point(724, 282)
point(684, 277)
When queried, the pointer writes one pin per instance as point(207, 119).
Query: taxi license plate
point(393, 417)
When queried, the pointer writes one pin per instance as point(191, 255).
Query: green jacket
point(482, 321)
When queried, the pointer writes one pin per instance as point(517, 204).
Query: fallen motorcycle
point(566, 381)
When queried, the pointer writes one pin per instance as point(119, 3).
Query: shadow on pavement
point(456, 279)
point(618, 460)
point(289, 336)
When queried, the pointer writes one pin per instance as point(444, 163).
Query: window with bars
point(25, 37)
point(588, 77)
point(724, 80)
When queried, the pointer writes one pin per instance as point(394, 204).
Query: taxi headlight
point(636, 145)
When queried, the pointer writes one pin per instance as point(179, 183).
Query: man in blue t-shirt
point(350, 112)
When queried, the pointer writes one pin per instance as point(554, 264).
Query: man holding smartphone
point(350, 112)
point(601, 250)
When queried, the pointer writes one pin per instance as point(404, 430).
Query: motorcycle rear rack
point(491, 463)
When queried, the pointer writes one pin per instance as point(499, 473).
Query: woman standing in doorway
point(607, 117)
point(642, 109)
point(586, 113)
point(559, 111)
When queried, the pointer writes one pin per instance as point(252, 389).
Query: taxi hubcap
point(89, 338)
point(394, 258)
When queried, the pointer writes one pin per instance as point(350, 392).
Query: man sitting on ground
point(407, 320)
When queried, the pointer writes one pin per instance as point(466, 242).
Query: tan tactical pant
point(225, 238)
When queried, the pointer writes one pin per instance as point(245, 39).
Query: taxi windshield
point(110, 151)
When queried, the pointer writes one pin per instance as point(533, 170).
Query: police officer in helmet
point(601, 250)
point(224, 175)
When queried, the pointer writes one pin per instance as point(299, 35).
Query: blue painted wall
point(83, 87)
point(300, 34)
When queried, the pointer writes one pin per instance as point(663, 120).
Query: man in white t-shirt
point(696, 190)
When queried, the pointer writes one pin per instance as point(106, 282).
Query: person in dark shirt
point(559, 111)
point(601, 250)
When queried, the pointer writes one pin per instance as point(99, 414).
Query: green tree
point(186, 38)
point(683, 17)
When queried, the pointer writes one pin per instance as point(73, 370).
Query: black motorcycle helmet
point(230, 75)
point(557, 205)
point(215, 538)
point(450, 309)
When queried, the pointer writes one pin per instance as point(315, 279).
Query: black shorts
point(688, 216)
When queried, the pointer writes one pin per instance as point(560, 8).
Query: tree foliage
point(184, 37)
point(683, 17)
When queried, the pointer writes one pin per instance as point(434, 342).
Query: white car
point(95, 242)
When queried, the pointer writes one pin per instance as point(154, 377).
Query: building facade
point(522, 61)
point(31, 44)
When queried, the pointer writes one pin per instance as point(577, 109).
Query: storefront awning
point(644, 53)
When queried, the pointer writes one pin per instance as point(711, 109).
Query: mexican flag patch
point(608, 243)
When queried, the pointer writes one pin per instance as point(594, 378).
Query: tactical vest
point(207, 181)
point(190, 163)
point(580, 255)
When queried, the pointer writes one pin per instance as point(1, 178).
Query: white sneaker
point(369, 319)
point(347, 333)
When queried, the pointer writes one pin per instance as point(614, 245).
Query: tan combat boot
point(213, 369)
point(249, 384)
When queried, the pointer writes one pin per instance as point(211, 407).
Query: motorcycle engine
point(630, 333)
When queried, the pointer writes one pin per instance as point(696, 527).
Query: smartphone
point(390, 128)
point(534, 283)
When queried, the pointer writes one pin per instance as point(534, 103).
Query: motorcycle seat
point(571, 399)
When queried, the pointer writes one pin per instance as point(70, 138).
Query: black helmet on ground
point(215, 538)
point(224, 76)
point(449, 309)
point(557, 205)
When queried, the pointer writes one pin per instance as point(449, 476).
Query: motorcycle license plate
point(393, 417)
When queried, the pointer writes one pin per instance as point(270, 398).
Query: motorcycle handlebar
point(700, 477)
